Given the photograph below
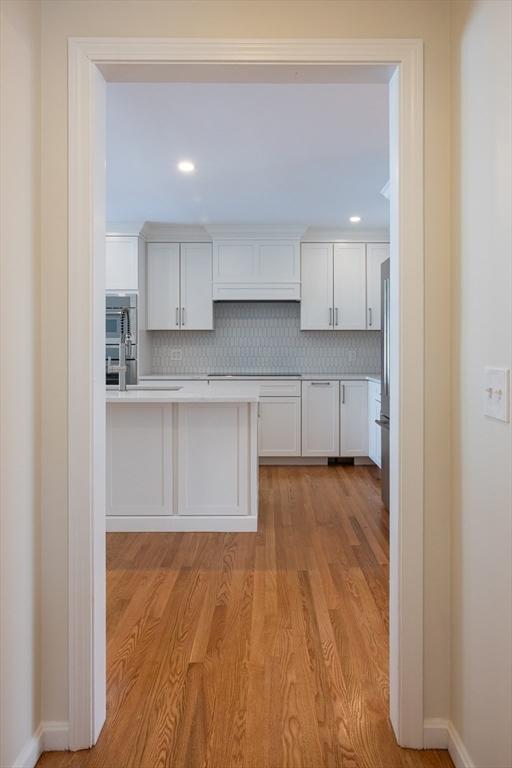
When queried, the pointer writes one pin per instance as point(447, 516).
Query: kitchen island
point(182, 459)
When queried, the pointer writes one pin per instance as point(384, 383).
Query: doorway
point(86, 425)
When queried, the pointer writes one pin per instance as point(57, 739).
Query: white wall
point(482, 525)
point(427, 19)
point(19, 375)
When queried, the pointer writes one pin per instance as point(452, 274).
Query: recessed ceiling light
point(185, 166)
point(355, 219)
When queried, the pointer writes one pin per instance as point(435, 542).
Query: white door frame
point(86, 397)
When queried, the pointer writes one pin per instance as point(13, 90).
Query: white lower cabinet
point(139, 457)
point(279, 426)
point(182, 466)
point(320, 418)
point(214, 439)
point(353, 418)
point(374, 436)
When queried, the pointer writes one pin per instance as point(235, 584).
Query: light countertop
point(184, 395)
point(256, 377)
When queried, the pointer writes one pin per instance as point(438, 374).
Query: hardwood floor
point(246, 650)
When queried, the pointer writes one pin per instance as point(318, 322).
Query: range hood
point(256, 262)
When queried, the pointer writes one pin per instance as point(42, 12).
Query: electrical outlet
point(176, 353)
point(352, 355)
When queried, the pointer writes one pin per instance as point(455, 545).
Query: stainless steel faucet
point(124, 342)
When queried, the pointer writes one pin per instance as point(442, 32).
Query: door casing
point(86, 394)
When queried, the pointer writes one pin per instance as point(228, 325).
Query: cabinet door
point(139, 459)
point(316, 307)
point(279, 426)
point(353, 418)
point(163, 286)
point(121, 263)
point(374, 451)
point(349, 286)
point(214, 437)
point(376, 253)
point(320, 418)
point(196, 287)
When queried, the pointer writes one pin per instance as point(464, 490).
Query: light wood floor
point(264, 650)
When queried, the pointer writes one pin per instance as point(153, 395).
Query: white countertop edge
point(256, 377)
point(164, 396)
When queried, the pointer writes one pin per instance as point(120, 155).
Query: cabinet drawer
point(278, 388)
point(266, 387)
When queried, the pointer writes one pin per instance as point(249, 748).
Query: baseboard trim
point(29, 755)
point(48, 736)
point(442, 734)
point(292, 461)
point(435, 733)
point(175, 523)
point(55, 736)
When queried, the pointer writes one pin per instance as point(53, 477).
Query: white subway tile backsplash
point(264, 337)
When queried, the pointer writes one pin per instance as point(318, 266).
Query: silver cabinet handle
point(343, 394)
point(320, 383)
point(337, 316)
point(330, 315)
point(370, 322)
point(183, 315)
point(177, 316)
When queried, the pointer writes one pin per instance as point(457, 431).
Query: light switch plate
point(497, 393)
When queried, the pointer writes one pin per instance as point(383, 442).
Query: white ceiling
point(311, 154)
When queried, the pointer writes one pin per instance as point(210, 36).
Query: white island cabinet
point(183, 460)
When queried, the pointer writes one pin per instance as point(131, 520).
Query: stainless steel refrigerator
point(383, 421)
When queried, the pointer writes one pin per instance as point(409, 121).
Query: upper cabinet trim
point(255, 231)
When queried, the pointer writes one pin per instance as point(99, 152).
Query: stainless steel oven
point(114, 304)
point(120, 313)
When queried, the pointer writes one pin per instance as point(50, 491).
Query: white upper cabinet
point(353, 418)
point(341, 286)
point(256, 270)
point(316, 309)
point(320, 418)
point(121, 262)
point(349, 286)
point(376, 253)
point(163, 286)
point(196, 286)
point(179, 286)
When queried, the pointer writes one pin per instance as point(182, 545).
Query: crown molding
point(156, 231)
point(124, 228)
point(386, 189)
point(255, 231)
point(334, 235)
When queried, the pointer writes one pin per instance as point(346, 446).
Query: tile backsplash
point(263, 337)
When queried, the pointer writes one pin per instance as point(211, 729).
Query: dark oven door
point(113, 326)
